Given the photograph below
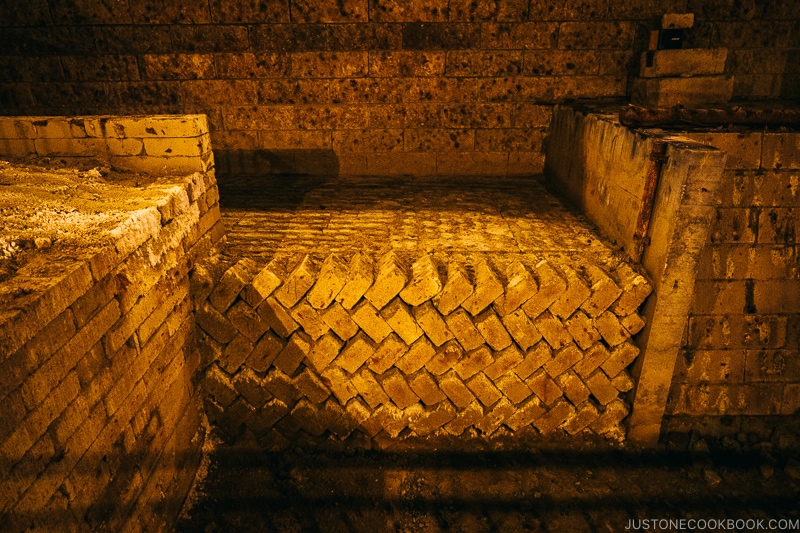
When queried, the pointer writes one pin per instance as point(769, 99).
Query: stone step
point(689, 92)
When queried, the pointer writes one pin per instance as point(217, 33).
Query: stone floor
point(264, 215)
point(502, 484)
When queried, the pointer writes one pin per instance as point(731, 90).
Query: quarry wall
point(101, 422)
point(367, 86)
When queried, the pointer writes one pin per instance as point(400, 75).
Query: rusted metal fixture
point(643, 117)
point(657, 158)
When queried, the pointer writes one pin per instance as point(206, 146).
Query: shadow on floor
point(577, 487)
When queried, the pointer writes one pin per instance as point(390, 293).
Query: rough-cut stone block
point(231, 284)
point(263, 284)
point(358, 410)
point(609, 327)
point(216, 325)
point(397, 420)
point(608, 422)
point(369, 389)
point(447, 356)
point(433, 419)
point(247, 321)
point(339, 384)
point(398, 316)
point(368, 319)
point(309, 320)
point(552, 330)
point(563, 359)
point(219, 385)
point(484, 389)
point(585, 414)
point(457, 289)
point(306, 414)
point(504, 360)
point(551, 287)
point(513, 387)
point(492, 330)
point(455, 389)
point(324, 350)
point(521, 329)
point(387, 416)
point(525, 414)
point(386, 355)
point(593, 358)
point(621, 357)
point(573, 387)
point(535, 357)
point(395, 385)
point(689, 92)
point(359, 278)
point(297, 284)
point(604, 291)
point(487, 289)
point(356, 352)
point(331, 280)
point(520, 288)
point(336, 419)
point(683, 62)
point(293, 353)
point(390, 280)
point(576, 294)
point(601, 387)
point(495, 416)
point(473, 362)
point(417, 355)
point(425, 282)
point(432, 323)
point(470, 416)
point(267, 416)
point(633, 323)
point(339, 321)
point(544, 387)
point(424, 386)
point(265, 352)
point(462, 327)
point(623, 382)
point(311, 386)
point(556, 416)
point(581, 328)
point(278, 317)
point(235, 354)
point(248, 384)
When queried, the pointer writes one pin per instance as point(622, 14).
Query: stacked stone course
point(416, 345)
point(369, 87)
point(101, 424)
point(738, 370)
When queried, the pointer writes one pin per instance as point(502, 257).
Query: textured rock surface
point(483, 305)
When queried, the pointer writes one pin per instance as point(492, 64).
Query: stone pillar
point(682, 216)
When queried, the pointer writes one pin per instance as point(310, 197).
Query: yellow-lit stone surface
point(471, 291)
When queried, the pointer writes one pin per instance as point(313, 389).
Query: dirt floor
point(529, 483)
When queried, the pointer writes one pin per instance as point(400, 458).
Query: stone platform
point(374, 308)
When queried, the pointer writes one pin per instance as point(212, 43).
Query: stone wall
point(653, 194)
point(739, 370)
point(366, 86)
point(101, 422)
point(372, 348)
